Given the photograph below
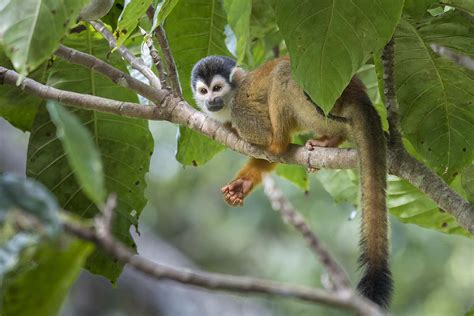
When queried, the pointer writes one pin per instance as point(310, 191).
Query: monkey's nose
point(216, 104)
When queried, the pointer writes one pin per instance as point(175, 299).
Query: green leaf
point(31, 197)
point(33, 29)
point(18, 107)
point(342, 185)
point(194, 149)
point(412, 206)
point(163, 9)
point(238, 15)
point(330, 40)
point(130, 18)
point(465, 5)
point(81, 152)
point(41, 290)
point(417, 8)
point(125, 147)
point(436, 96)
point(467, 181)
point(295, 174)
point(195, 30)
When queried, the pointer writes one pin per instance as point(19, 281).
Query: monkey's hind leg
point(248, 178)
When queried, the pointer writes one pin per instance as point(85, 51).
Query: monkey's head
point(213, 87)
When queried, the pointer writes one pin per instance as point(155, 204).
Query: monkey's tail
point(376, 283)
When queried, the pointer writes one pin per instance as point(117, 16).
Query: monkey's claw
point(236, 191)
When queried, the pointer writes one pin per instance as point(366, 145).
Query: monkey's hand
point(236, 191)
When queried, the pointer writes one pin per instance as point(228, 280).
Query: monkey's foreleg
point(248, 177)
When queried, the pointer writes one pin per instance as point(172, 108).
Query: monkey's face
point(214, 98)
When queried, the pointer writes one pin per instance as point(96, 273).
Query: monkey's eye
point(217, 88)
point(203, 90)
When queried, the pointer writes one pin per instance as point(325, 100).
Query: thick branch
point(179, 112)
point(216, 281)
point(292, 216)
point(136, 62)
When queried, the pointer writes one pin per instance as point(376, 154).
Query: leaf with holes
point(81, 152)
point(195, 30)
point(129, 19)
point(31, 30)
point(436, 96)
point(125, 147)
point(330, 40)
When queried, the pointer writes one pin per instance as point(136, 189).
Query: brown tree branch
point(160, 35)
point(116, 75)
point(214, 281)
point(462, 60)
point(291, 215)
point(179, 112)
point(391, 102)
point(136, 62)
point(155, 56)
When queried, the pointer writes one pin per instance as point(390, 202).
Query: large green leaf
point(330, 40)
point(127, 23)
point(125, 146)
point(195, 30)
point(41, 289)
point(17, 107)
point(238, 15)
point(10, 251)
point(80, 150)
point(31, 30)
point(436, 96)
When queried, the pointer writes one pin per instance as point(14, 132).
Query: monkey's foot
point(324, 141)
point(236, 191)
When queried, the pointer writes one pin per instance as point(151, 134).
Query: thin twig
point(172, 71)
point(179, 112)
point(291, 215)
point(117, 76)
point(136, 62)
point(104, 222)
point(216, 281)
point(460, 59)
point(393, 113)
point(155, 56)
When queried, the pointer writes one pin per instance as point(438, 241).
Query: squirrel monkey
point(266, 107)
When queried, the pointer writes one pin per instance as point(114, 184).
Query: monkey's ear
point(237, 76)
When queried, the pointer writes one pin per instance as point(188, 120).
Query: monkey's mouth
point(215, 107)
